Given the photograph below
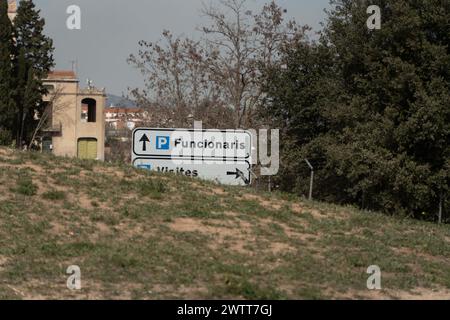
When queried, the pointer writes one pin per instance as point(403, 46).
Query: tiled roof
point(123, 110)
point(62, 74)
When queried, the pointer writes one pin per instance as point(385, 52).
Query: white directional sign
point(204, 144)
point(233, 174)
point(222, 156)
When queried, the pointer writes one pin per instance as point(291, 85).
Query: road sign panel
point(192, 144)
point(222, 156)
point(229, 173)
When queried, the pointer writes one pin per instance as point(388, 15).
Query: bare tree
point(54, 106)
point(241, 43)
point(176, 79)
point(218, 75)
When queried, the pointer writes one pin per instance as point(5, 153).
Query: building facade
point(120, 118)
point(76, 125)
point(74, 118)
point(12, 8)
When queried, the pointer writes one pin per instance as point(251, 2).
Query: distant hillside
point(119, 101)
point(142, 235)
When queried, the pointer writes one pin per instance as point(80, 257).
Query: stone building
point(12, 8)
point(76, 122)
point(76, 127)
point(120, 118)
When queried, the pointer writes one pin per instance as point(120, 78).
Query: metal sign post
point(311, 183)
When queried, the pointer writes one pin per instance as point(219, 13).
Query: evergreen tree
point(398, 83)
point(6, 75)
point(35, 59)
point(386, 145)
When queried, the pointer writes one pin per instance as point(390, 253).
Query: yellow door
point(87, 149)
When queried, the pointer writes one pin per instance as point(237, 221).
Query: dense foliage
point(6, 74)
point(369, 108)
point(26, 56)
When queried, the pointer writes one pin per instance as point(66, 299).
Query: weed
point(54, 195)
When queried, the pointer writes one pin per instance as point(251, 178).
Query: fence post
point(311, 183)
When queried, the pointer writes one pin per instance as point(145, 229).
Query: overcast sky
point(111, 29)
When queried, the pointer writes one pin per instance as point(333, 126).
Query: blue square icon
point(162, 142)
point(145, 166)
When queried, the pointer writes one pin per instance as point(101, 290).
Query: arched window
point(88, 110)
point(49, 87)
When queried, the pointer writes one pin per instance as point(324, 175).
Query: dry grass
point(140, 235)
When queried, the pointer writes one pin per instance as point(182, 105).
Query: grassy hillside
point(141, 235)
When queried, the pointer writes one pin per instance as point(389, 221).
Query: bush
point(25, 186)
point(152, 188)
point(54, 195)
point(5, 137)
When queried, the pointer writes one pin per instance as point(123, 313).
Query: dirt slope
point(139, 235)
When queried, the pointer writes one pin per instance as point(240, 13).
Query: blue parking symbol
point(163, 143)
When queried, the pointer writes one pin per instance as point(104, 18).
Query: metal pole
point(311, 183)
point(440, 210)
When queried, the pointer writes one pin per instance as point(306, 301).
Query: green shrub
point(25, 185)
point(5, 137)
point(150, 187)
point(54, 195)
